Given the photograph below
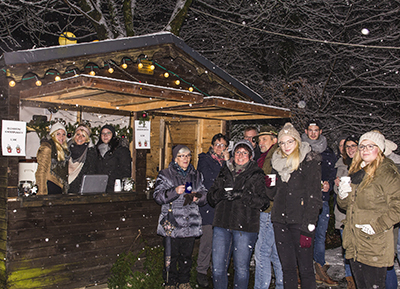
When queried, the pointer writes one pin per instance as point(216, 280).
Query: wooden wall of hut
point(196, 134)
point(72, 241)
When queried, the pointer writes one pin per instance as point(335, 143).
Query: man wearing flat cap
point(265, 251)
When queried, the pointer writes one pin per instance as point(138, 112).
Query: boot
point(202, 280)
point(350, 283)
point(322, 277)
point(185, 286)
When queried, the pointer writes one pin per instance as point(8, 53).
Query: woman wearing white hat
point(372, 202)
point(52, 157)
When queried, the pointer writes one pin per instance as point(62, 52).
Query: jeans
point(293, 256)
point(391, 278)
point(265, 253)
point(205, 247)
point(347, 268)
point(320, 234)
point(367, 276)
point(228, 242)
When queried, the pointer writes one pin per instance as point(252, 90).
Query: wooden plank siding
point(72, 241)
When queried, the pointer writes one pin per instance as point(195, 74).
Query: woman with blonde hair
point(83, 158)
point(52, 157)
point(372, 202)
point(297, 201)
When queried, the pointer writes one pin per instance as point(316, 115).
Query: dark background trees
point(291, 52)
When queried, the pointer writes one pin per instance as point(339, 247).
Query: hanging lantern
point(67, 38)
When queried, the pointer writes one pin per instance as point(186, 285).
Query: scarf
point(215, 156)
point(180, 170)
point(318, 145)
point(77, 160)
point(103, 149)
point(279, 162)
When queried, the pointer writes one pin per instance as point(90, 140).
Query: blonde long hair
point(369, 169)
point(292, 160)
point(61, 148)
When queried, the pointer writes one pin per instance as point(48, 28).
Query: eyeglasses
point(369, 147)
point(351, 146)
point(184, 156)
point(238, 153)
point(106, 133)
point(220, 145)
point(287, 143)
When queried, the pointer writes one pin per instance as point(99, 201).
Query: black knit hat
point(353, 138)
point(109, 127)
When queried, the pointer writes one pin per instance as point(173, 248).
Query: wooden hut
point(70, 241)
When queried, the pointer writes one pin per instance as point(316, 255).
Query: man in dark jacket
point(319, 144)
point(250, 133)
point(265, 251)
point(209, 165)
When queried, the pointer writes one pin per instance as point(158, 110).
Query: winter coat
point(340, 213)
point(241, 214)
point(298, 201)
point(187, 217)
point(116, 163)
point(328, 171)
point(49, 168)
point(266, 166)
point(88, 168)
point(210, 168)
point(377, 204)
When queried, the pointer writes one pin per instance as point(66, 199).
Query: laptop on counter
point(93, 184)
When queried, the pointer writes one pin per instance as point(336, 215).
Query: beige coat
point(377, 204)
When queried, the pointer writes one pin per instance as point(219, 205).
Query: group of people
point(270, 196)
point(62, 164)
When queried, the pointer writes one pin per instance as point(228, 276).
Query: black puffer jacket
point(242, 214)
point(116, 163)
point(299, 200)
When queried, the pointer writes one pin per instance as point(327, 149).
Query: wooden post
point(162, 145)
point(132, 119)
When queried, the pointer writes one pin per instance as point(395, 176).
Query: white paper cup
point(346, 180)
point(273, 179)
point(117, 186)
point(228, 189)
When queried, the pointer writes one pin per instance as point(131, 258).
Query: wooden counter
point(71, 241)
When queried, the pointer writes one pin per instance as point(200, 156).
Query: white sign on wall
point(142, 134)
point(13, 138)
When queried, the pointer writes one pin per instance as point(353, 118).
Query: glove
point(233, 195)
point(305, 242)
point(268, 181)
point(344, 190)
point(189, 198)
point(366, 228)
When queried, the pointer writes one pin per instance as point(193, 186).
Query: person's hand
point(180, 189)
point(268, 181)
point(366, 228)
point(305, 242)
point(337, 182)
point(234, 195)
point(344, 190)
point(325, 187)
point(226, 154)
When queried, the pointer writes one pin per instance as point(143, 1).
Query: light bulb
point(38, 83)
point(57, 78)
point(140, 65)
point(12, 83)
point(177, 82)
point(110, 70)
point(92, 73)
point(166, 75)
point(191, 89)
point(152, 67)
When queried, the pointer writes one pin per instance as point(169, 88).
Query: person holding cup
point(238, 194)
point(180, 188)
point(265, 252)
point(372, 203)
point(297, 203)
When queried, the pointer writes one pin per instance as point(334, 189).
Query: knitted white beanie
point(56, 127)
point(376, 137)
